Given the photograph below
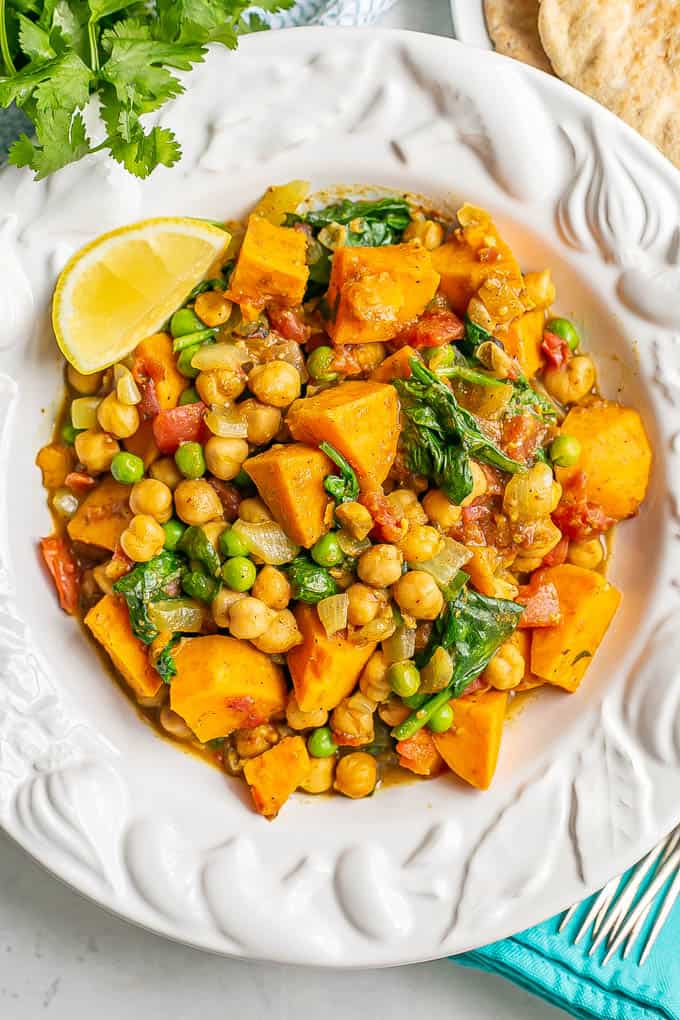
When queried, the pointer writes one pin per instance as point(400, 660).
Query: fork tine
point(665, 910)
point(622, 903)
point(662, 875)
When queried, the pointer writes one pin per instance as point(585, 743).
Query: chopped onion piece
point(351, 546)
point(438, 672)
point(377, 630)
point(127, 390)
point(267, 540)
point(185, 615)
point(213, 356)
point(401, 645)
point(227, 422)
point(333, 613)
point(449, 560)
point(84, 412)
point(65, 503)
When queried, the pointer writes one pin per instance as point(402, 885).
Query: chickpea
point(222, 603)
point(88, 385)
point(588, 553)
point(273, 588)
point(212, 531)
point(249, 618)
point(369, 356)
point(506, 669)
point(319, 779)
point(103, 581)
point(96, 450)
point(373, 680)
point(364, 603)
point(353, 718)
point(355, 519)
point(196, 502)
point(356, 775)
point(212, 308)
point(428, 232)
point(380, 566)
point(174, 724)
point(479, 484)
point(405, 502)
point(281, 635)
point(143, 538)
point(420, 543)
point(393, 711)
point(250, 743)
point(440, 510)
point(220, 386)
point(224, 456)
point(262, 420)
point(276, 383)
point(151, 497)
point(121, 420)
point(546, 536)
point(253, 511)
point(165, 470)
point(417, 594)
point(299, 720)
point(571, 381)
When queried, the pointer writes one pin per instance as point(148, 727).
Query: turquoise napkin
point(547, 963)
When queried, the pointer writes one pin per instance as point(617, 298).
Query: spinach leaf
point(371, 223)
point(146, 583)
point(344, 488)
point(197, 546)
point(198, 585)
point(165, 664)
point(526, 398)
point(309, 582)
point(474, 336)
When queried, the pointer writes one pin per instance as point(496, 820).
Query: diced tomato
point(432, 329)
point(178, 425)
point(64, 570)
point(575, 516)
point(388, 525)
point(418, 754)
point(147, 372)
point(477, 686)
point(289, 323)
point(522, 436)
point(557, 556)
point(120, 563)
point(556, 349)
point(149, 405)
point(230, 498)
point(541, 602)
point(79, 480)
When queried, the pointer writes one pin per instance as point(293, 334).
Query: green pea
point(416, 701)
point(127, 468)
point(239, 573)
point(319, 364)
point(190, 460)
point(184, 362)
point(567, 330)
point(69, 433)
point(174, 530)
point(565, 451)
point(231, 544)
point(327, 552)
point(199, 586)
point(189, 396)
point(320, 743)
point(403, 678)
point(184, 321)
point(442, 719)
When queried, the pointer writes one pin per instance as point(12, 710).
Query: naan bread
point(513, 27)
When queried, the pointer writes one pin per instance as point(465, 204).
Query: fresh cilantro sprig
point(59, 55)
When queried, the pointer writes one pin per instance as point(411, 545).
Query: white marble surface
point(63, 957)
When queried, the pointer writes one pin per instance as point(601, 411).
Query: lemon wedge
point(123, 286)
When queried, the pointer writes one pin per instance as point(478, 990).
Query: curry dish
point(348, 502)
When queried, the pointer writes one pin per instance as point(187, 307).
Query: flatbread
point(625, 54)
point(513, 27)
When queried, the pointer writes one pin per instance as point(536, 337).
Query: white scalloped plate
point(585, 783)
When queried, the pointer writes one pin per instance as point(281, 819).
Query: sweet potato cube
point(615, 457)
point(224, 684)
point(374, 292)
point(143, 444)
point(276, 773)
point(523, 340)
point(360, 419)
point(471, 747)
point(109, 622)
point(396, 366)
point(290, 481)
point(481, 569)
point(324, 669)
point(271, 266)
point(418, 754)
point(475, 254)
point(103, 515)
point(562, 654)
point(157, 360)
point(55, 461)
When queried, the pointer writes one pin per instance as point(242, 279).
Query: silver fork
point(618, 914)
